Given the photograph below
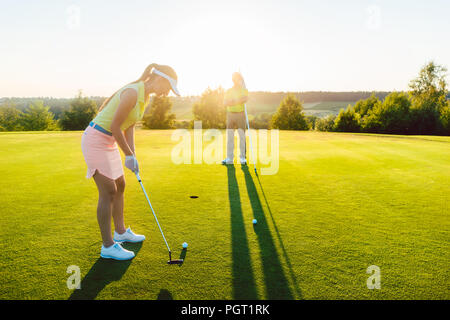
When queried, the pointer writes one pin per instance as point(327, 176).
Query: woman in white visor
point(113, 127)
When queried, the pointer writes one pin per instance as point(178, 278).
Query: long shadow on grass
point(102, 273)
point(277, 286)
point(244, 287)
point(164, 294)
point(280, 240)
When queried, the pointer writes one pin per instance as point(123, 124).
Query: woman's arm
point(242, 100)
point(129, 137)
point(233, 102)
point(227, 102)
point(128, 100)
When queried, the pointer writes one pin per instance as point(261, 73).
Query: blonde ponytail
point(145, 76)
point(146, 73)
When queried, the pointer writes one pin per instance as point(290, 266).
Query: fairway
point(339, 204)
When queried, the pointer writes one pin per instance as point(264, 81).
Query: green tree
point(312, 120)
point(182, 124)
point(289, 115)
point(391, 116)
point(37, 117)
point(325, 124)
point(445, 120)
point(210, 109)
point(159, 116)
point(261, 121)
point(364, 106)
point(428, 93)
point(371, 122)
point(81, 112)
point(10, 118)
point(347, 121)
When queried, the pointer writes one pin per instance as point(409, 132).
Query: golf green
point(338, 204)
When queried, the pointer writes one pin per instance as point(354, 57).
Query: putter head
point(176, 261)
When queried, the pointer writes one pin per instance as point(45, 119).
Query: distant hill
point(319, 103)
point(315, 102)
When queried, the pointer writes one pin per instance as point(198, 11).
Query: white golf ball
point(185, 245)
point(255, 221)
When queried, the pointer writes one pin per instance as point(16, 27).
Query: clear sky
point(55, 48)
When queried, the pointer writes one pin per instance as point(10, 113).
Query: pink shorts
point(101, 153)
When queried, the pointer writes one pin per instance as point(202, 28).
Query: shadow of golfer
point(103, 272)
point(280, 240)
point(277, 286)
point(164, 295)
point(244, 286)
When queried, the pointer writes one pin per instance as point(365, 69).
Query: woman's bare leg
point(117, 207)
point(106, 192)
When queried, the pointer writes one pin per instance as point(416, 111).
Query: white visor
point(172, 81)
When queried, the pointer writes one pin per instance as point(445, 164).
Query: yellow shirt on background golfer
point(105, 117)
point(236, 93)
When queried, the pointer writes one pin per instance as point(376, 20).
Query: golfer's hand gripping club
point(132, 163)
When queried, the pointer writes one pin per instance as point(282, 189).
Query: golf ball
point(185, 245)
point(255, 221)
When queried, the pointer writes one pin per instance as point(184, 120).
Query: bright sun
point(211, 49)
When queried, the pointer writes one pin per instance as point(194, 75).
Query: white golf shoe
point(116, 252)
point(243, 161)
point(227, 161)
point(128, 236)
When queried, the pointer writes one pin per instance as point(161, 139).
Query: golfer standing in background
point(112, 127)
point(234, 100)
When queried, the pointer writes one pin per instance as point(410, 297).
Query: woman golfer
point(114, 125)
point(235, 99)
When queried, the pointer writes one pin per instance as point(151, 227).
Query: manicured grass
point(339, 203)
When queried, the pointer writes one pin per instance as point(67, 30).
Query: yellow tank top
point(105, 117)
point(236, 93)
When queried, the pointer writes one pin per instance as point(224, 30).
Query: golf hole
point(194, 197)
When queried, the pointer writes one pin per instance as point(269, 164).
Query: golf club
point(248, 126)
point(175, 261)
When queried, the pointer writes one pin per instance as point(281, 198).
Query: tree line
point(40, 116)
point(37, 116)
point(424, 109)
point(58, 107)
